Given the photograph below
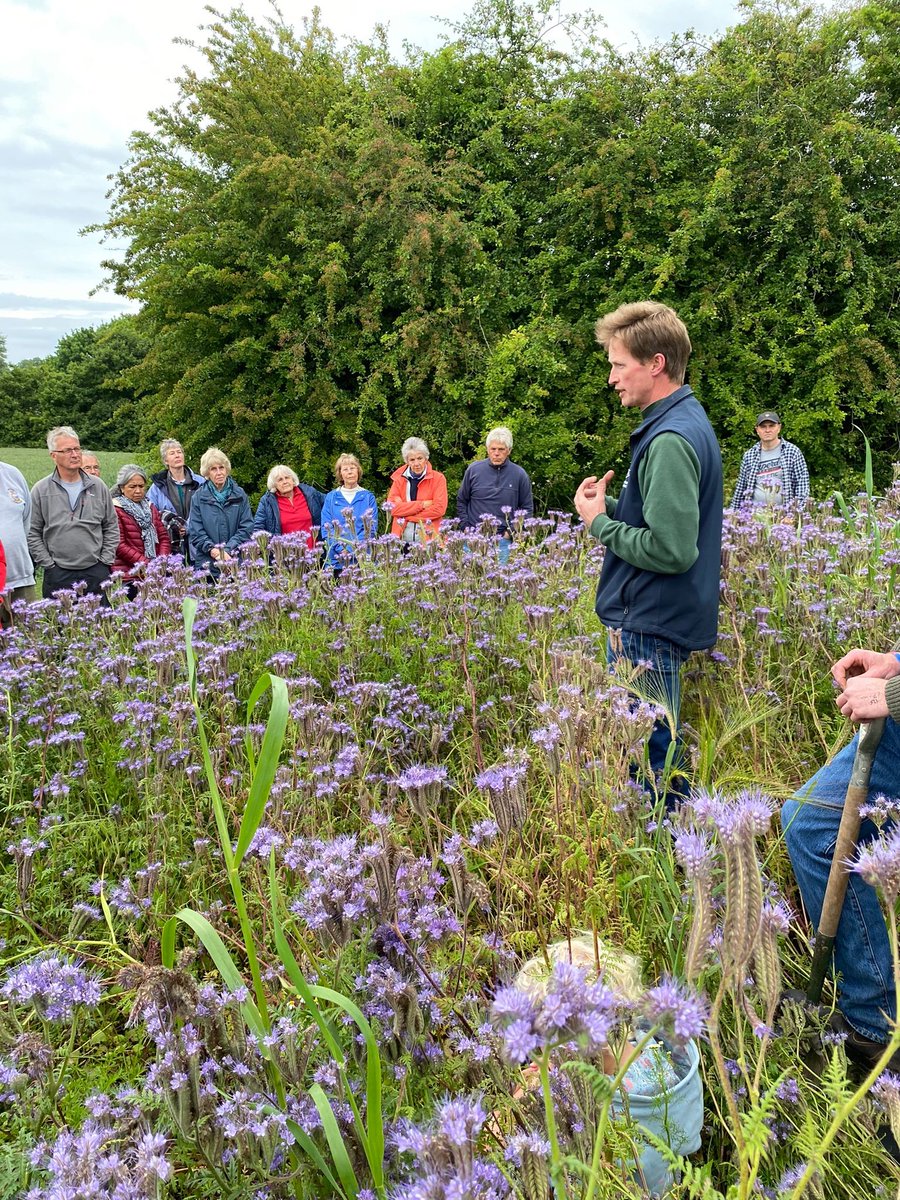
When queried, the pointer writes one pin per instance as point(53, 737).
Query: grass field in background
point(34, 461)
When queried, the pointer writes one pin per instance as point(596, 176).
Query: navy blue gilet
point(682, 608)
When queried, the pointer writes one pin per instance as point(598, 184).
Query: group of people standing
point(657, 596)
point(78, 531)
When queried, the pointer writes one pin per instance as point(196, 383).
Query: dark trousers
point(57, 579)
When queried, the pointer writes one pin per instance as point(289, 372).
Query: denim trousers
point(862, 952)
point(659, 684)
point(504, 545)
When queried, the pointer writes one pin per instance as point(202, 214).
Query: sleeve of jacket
point(314, 501)
point(35, 538)
point(159, 498)
point(126, 551)
point(800, 476)
point(744, 481)
point(370, 517)
point(669, 479)
point(404, 509)
point(197, 532)
point(462, 499)
point(264, 521)
point(526, 497)
point(110, 527)
point(164, 545)
point(26, 507)
point(440, 500)
point(329, 517)
point(244, 531)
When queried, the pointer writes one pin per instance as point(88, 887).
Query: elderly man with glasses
point(74, 531)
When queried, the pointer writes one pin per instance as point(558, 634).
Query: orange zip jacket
point(433, 487)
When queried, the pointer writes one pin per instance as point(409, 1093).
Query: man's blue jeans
point(862, 952)
point(660, 684)
point(504, 545)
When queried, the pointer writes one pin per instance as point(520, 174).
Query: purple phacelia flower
point(570, 1010)
point(675, 1008)
point(694, 851)
point(54, 986)
point(878, 863)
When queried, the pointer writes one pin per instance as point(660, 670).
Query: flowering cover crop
point(453, 793)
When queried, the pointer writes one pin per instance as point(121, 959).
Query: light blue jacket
point(342, 533)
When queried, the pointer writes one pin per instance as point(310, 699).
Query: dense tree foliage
point(334, 249)
point(81, 384)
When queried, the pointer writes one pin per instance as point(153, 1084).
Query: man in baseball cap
point(773, 472)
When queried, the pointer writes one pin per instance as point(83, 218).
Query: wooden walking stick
point(838, 877)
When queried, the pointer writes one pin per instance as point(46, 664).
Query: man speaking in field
point(658, 593)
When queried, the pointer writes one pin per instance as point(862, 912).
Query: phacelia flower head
point(53, 985)
point(677, 1009)
point(695, 853)
point(878, 863)
point(572, 1010)
point(445, 1151)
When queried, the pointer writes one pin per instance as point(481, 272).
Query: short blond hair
point(619, 970)
point(346, 458)
point(646, 329)
point(214, 457)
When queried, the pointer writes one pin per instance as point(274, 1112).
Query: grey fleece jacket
point(61, 536)
point(892, 695)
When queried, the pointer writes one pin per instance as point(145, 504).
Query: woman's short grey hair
point(168, 444)
point(414, 446)
point(214, 457)
point(502, 435)
point(124, 474)
point(59, 431)
point(276, 473)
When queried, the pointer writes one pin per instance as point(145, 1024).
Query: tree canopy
point(81, 384)
point(334, 249)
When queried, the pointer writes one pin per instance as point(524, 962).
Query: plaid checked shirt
point(793, 465)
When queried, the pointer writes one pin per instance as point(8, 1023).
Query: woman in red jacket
point(142, 534)
point(418, 495)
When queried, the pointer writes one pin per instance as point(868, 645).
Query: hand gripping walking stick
point(838, 877)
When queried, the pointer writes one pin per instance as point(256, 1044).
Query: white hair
point(502, 435)
point(59, 431)
point(276, 473)
point(619, 970)
point(168, 444)
point(414, 445)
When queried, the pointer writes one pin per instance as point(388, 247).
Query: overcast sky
point(77, 78)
